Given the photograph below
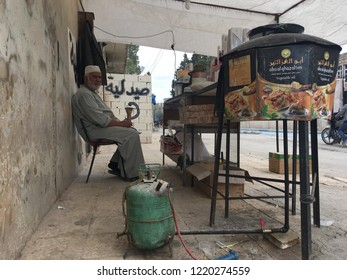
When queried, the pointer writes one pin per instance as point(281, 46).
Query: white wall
point(120, 97)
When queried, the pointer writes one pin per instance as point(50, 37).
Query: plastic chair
point(95, 143)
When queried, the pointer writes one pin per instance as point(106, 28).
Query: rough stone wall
point(122, 89)
point(38, 154)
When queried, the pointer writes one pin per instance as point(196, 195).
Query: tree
point(185, 62)
point(202, 61)
point(133, 63)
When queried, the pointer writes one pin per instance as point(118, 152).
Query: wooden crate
point(203, 179)
point(276, 163)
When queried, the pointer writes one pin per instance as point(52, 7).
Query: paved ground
point(84, 222)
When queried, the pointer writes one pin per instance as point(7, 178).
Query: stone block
point(283, 240)
point(145, 78)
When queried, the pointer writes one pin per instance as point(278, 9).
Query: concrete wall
point(118, 94)
point(39, 148)
point(271, 125)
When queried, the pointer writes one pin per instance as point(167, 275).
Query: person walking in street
point(343, 126)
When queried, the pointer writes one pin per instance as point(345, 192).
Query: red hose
point(177, 229)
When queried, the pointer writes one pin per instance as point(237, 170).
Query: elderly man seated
point(100, 122)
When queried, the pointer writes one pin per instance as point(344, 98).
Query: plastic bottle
point(232, 255)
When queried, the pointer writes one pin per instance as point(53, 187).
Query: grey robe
point(88, 106)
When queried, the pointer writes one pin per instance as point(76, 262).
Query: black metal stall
point(282, 75)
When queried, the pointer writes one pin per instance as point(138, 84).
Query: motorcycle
point(330, 134)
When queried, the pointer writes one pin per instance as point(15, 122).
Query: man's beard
point(93, 87)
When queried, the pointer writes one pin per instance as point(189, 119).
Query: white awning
point(198, 26)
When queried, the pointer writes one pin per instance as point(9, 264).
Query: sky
point(162, 65)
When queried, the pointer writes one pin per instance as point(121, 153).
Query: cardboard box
point(204, 173)
point(276, 163)
point(235, 190)
point(197, 114)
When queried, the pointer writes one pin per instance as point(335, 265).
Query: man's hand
point(127, 123)
point(124, 123)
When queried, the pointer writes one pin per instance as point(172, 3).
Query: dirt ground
point(328, 241)
point(84, 223)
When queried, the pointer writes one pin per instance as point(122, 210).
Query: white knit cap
point(91, 68)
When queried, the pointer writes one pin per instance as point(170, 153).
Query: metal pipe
point(192, 131)
point(306, 237)
point(271, 186)
point(227, 172)
point(261, 178)
point(277, 138)
point(217, 149)
point(192, 153)
point(315, 172)
point(286, 173)
point(257, 197)
point(232, 231)
point(295, 136)
point(238, 143)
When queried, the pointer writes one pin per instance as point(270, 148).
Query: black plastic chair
point(95, 143)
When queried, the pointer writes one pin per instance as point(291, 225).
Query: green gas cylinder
point(149, 218)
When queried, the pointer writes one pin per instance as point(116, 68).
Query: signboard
point(292, 82)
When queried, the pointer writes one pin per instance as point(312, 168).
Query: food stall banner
point(294, 81)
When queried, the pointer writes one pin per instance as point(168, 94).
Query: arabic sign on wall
point(118, 91)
